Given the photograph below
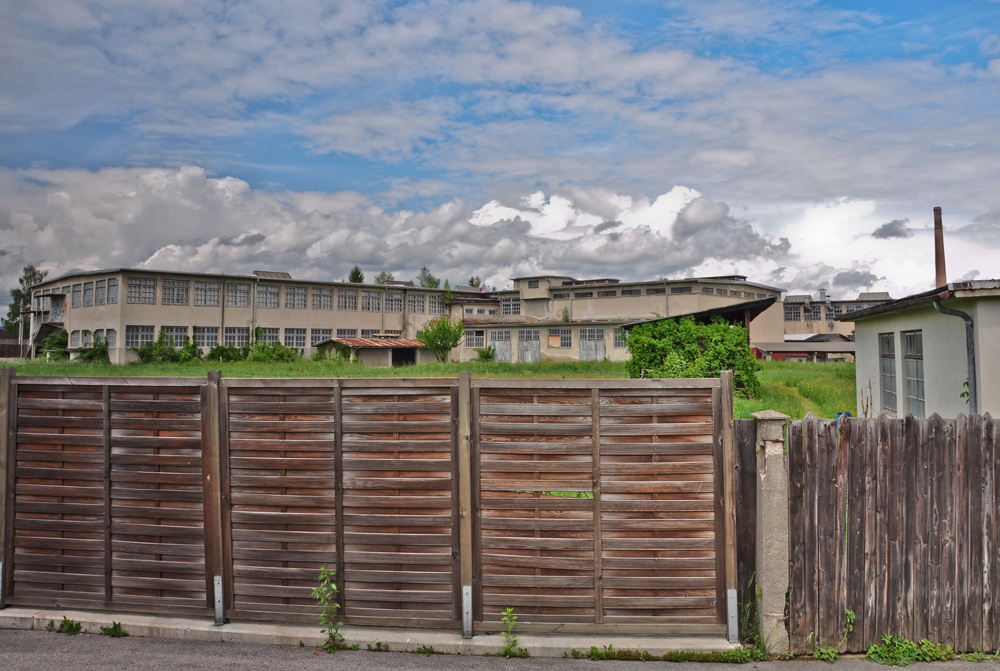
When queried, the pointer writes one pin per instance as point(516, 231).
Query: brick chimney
point(940, 275)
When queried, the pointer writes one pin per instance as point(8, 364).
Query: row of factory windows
point(137, 335)
point(557, 337)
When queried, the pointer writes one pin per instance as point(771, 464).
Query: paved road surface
point(44, 651)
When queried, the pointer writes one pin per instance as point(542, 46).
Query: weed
point(378, 647)
point(750, 627)
point(898, 651)
point(510, 647)
point(736, 656)
point(427, 650)
point(830, 653)
point(51, 626)
point(326, 595)
point(302, 643)
point(68, 627)
point(116, 630)
point(981, 656)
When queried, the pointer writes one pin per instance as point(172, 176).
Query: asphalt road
point(44, 651)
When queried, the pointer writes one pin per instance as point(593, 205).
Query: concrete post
point(772, 528)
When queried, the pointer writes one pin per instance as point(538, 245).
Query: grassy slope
point(792, 388)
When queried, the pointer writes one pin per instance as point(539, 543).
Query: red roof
point(378, 342)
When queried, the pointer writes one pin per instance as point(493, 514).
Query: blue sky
point(634, 139)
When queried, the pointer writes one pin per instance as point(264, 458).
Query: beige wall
point(945, 361)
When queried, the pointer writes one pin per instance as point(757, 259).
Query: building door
point(529, 347)
point(500, 342)
point(591, 344)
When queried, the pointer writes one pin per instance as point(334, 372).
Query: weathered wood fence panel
point(895, 520)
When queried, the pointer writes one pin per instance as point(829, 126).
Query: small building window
point(111, 336)
point(914, 356)
point(112, 291)
point(316, 336)
point(468, 311)
point(237, 295)
point(761, 295)
point(207, 294)
point(296, 337)
point(369, 333)
point(583, 294)
point(394, 302)
point(269, 296)
point(347, 333)
point(435, 305)
point(621, 338)
point(322, 299)
point(834, 311)
point(416, 303)
point(707, 290)
point(371, 301)
point(295, 298)
point(793, 313)
point(175, 292)
point(814, 313)
point(141, 290)
point(560, 295)
point(481, 311)
point(721, 292)
point(500, 335)
point(237, 336)
point(88, 339)
point(268, 335)
point(137, 336)
point(527, 335)
point(591, 334)
point(510, 305)
point(631, 292)
point(206, 336)
point(77, 295)
point(347, 299)
point(493, 312)
point(88, 294)
point(74, 339)
point(662, 291)
point(734, 293)
point(560, 338)
point(174, 335)
point(475, 338)
point(887, 369)
point(532, 284)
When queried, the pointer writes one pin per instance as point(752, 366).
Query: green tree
point(384, 277)
point(684, 348)
point(474, 281)
point(441, 336)
point(20, 301)
point(356, 276)
point(425, 279)
point(448, 297)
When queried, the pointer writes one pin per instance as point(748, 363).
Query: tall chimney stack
point(940, 275)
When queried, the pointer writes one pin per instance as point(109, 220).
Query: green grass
point(792, 388)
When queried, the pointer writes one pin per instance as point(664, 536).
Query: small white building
point(913, 359)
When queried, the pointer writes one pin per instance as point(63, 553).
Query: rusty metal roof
point(377, 342)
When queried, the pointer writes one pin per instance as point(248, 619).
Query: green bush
point(98, 353)
point(684, 348)
point(227, 353)
point(272, 352)
point(57, 342)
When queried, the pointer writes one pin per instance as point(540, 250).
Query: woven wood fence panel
point(282, 478)
point(400, 521)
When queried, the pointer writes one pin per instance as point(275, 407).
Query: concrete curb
point(398, 639)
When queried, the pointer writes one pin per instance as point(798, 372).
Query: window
point(207, 293)
point(834, 311)
point(582, 294)
point(369, 333)
point(475, 338)
point(415, 303)
point(707, 290)
point(136, 336)
point(527, 335)
point(88, 294)
point(101, 292)
point(77, 291)
point(747, 294)
point(206, 336)
point(268, 296)
point(316, 336)
point(814, 313)
point(761, 295)
point(347, 333)
point(532, 284)
point(395, 332)
point(371, 301)
point(560, 338)
point(295, 298)
point(347, 299)
point(112, 291)
point(66, 290)
point(662, 291)
point(468, 311)
point(99, 336)
point(435, 305)
point(237, 294)
point(175, 292)
point(793, 313)
point(914, 354)
point(480, 311)
point(394, 302)
point(621, 338)
point(631, 292)
point(721, 292)
point(296, 337)
point(591, 334)
point(269, 335)
point(493, 312)
point(500, 335)
point(854, 307)
point(175, 334)
point(74, 339)
point(111, 336)
point(88, 339)
point(510, 306)
point(560, 295)
point(237, 336)
point(322, 299)
point(887, 369)
point(140, 290)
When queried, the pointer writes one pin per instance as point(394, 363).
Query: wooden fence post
point(729, 505)
point(465, 497)
point(7, 397)
point(772, 528)
point(211, 484)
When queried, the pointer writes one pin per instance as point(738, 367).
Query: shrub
point(486, 353)
point(441, 336)
point(98, 353)
point(227, 353)
point(57, 342)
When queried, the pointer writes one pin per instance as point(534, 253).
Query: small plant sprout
point(69, 627)
point(830, 653)
point(116, 630)
point(326, 595)
point(510, 647)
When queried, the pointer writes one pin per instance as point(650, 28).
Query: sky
point(801, 143)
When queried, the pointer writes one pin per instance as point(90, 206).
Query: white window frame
point(206, 336)
point(268, 296)
point(316, 336)
point(295, 298)
point(137, 335)
point(371, 301)
point(206, 294)
point(475, 338)
point(295, 337)
point(175, 292)
point(510, 305)
point(141, 290)
point(236, 336)
point(347, 300)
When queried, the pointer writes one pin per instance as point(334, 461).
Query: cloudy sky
point(802, 143)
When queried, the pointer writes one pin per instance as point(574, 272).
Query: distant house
point(381, 351)
point(913, 359)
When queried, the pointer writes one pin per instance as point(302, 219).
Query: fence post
point(465, 496)
point(211, 484)
point(772, 528)
point(6, 481)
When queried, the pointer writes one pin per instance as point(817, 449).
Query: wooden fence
point(440, 501)
point(895, 520)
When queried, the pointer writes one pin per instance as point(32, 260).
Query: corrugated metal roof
point(272, 275)
point(875, 296)
point(798, 298)
point(378, 342)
